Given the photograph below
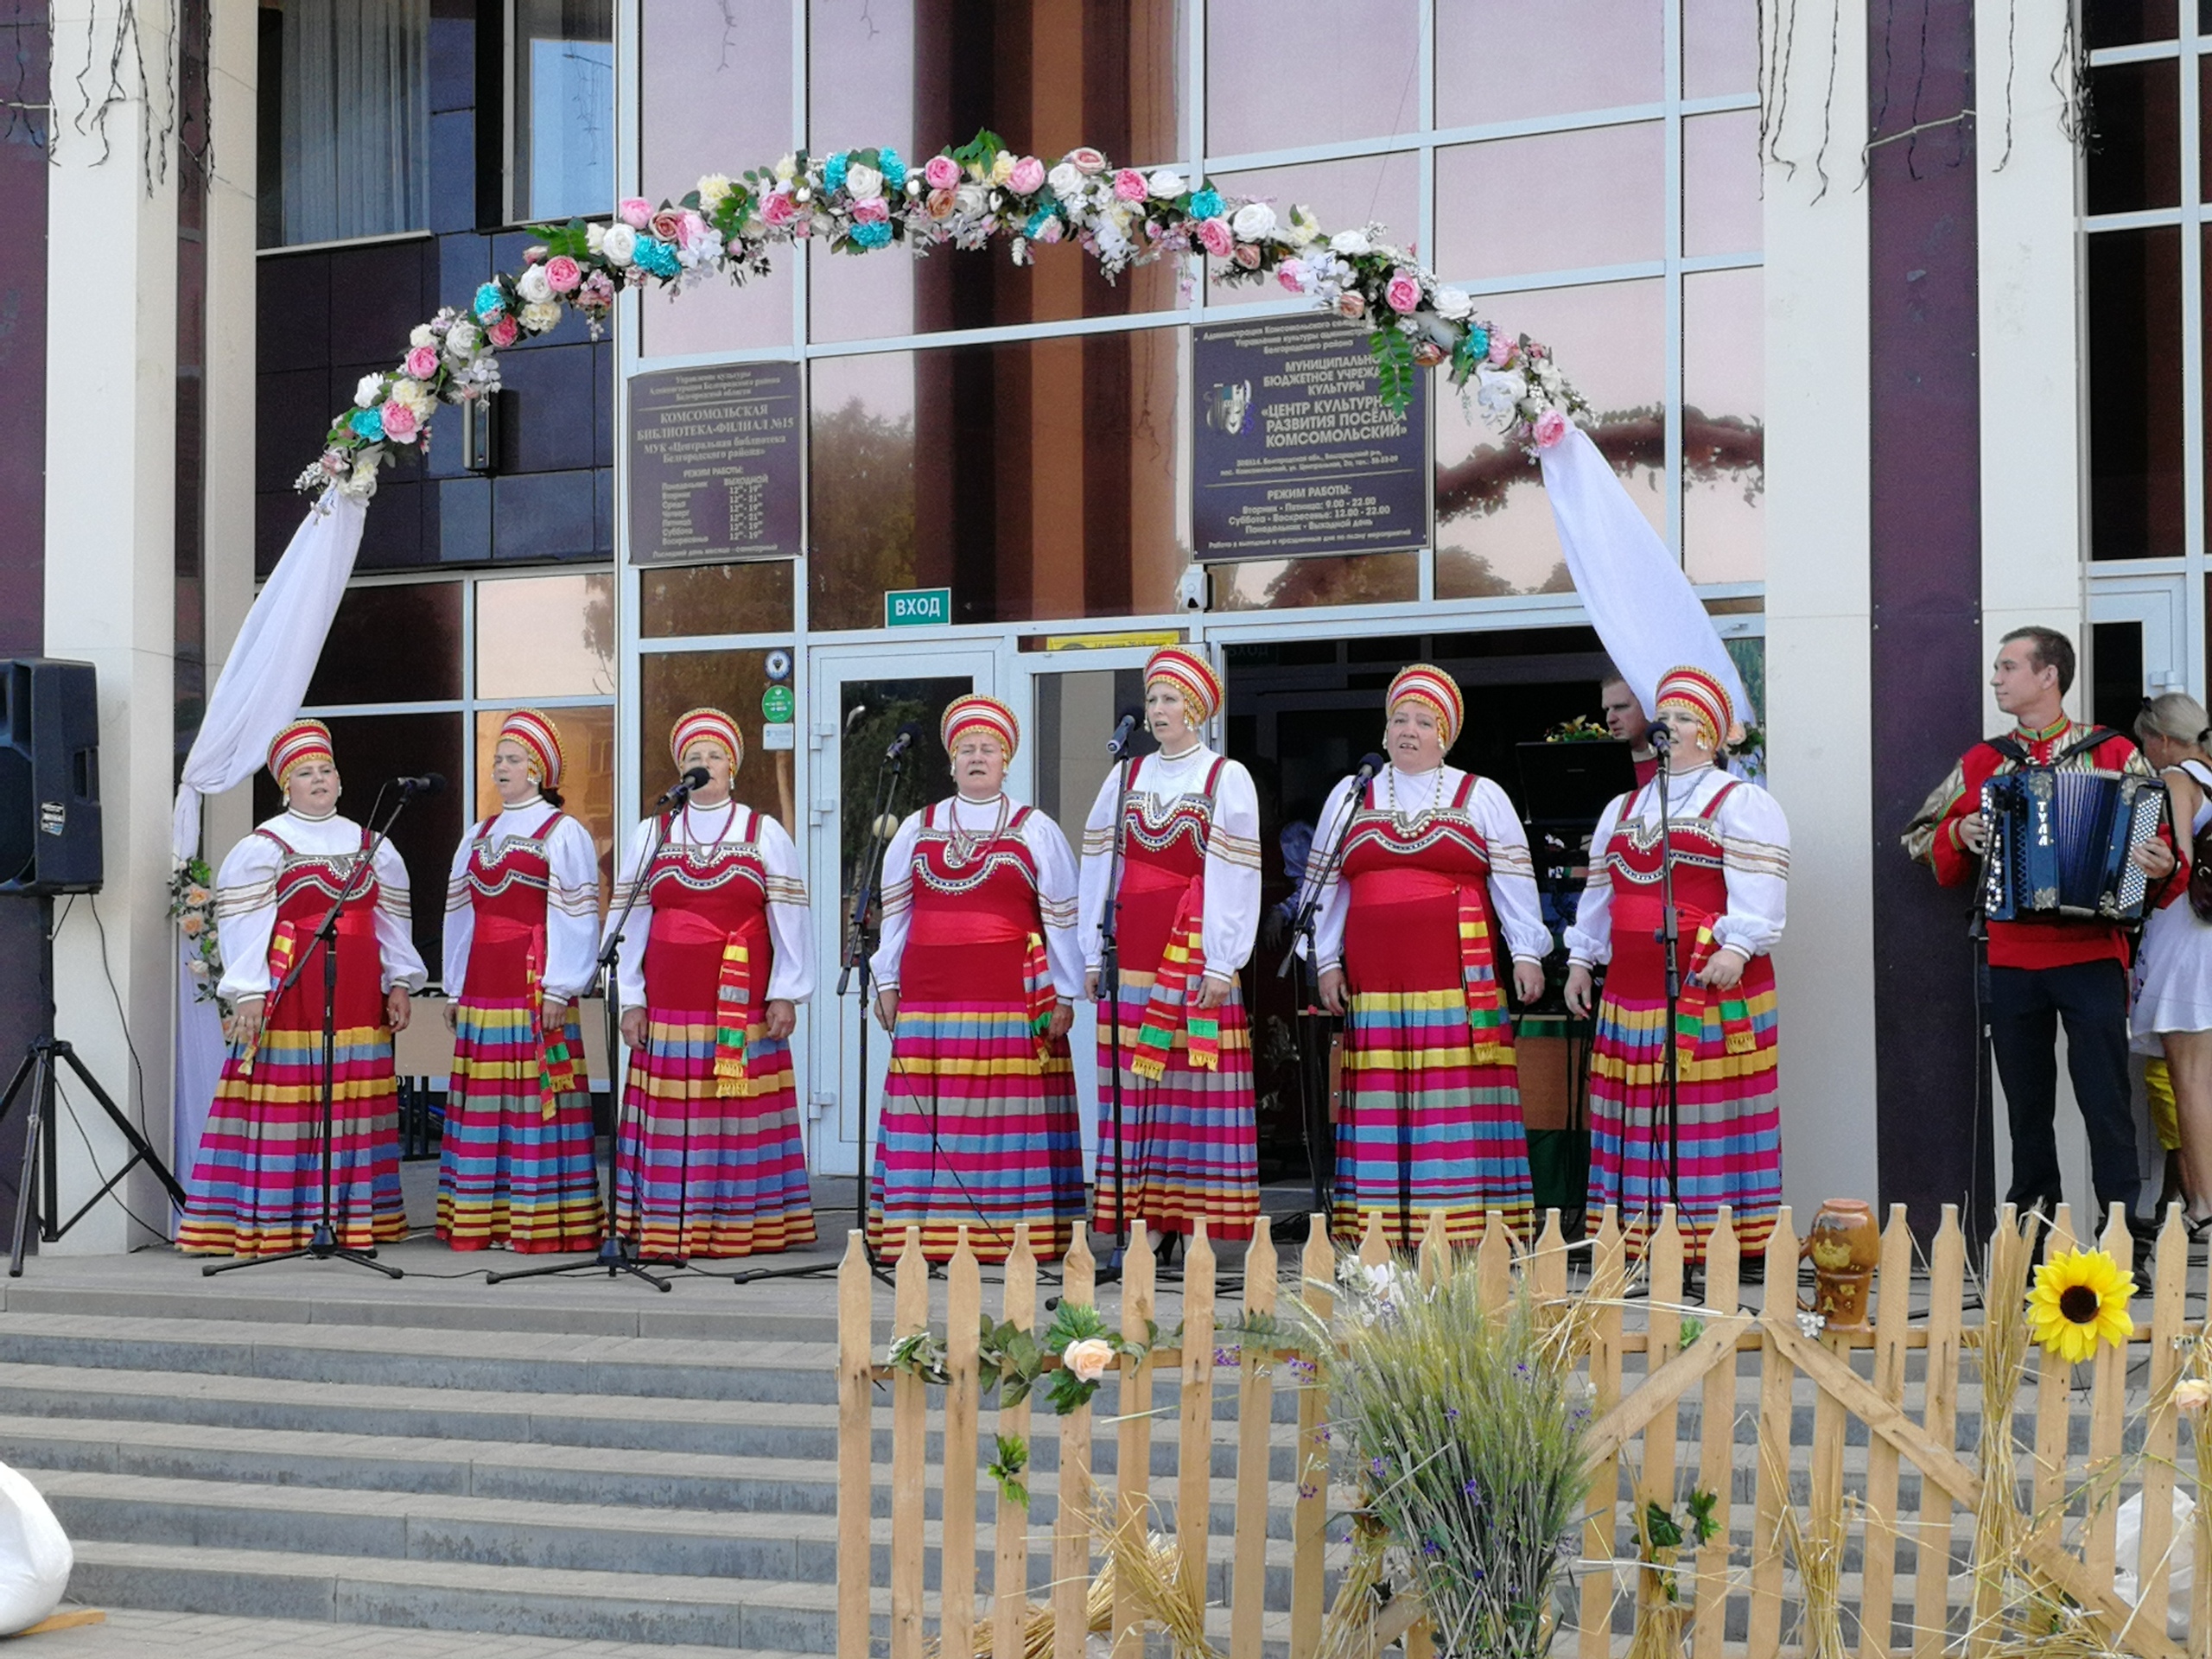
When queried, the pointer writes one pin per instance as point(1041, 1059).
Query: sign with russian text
point(715, 462)
point(917, 607)
point(1293, 454)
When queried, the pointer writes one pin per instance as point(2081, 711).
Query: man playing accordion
point(2047, 967)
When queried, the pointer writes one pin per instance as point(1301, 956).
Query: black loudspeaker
point(50, 776)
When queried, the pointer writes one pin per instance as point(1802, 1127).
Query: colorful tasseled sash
point(733, 1004)
point(1040, 997)
point(557, 1066)
point(1182, 967)
point(1490, 1027)
point(284, 944)
point(1697, 997)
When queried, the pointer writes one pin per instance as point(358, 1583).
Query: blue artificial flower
point(1205, 204)
point(490, 302)
point(833, 171)
point(871, 236)
point(369, 422)
point(656, 257)
point(1477, 342)
point(893, 169)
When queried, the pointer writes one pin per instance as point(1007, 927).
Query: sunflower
point(2081, 1300)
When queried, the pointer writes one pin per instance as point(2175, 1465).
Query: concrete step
point(459, 1596)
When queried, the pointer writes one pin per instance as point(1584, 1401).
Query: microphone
point(696, 777)
point(1661, 736)
point(1120, 741)
point(904, 741)
point(430, 783)
point(1370, 768)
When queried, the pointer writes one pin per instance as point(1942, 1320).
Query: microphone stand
point(322, 1243)
point(1311, 1017)
point(1669, 936)
point(616, 1253)
point(1110, 989)
point(854, 960)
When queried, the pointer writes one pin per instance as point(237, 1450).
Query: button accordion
point(2059, 843)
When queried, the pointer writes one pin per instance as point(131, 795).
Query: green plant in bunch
point(1465, 1432)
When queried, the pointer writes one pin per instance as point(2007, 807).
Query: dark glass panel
point(2135, 416)
point(672, 682)
point(587, 773)
point(754, 597)
point(2126, 22)
point(392, 643)
point(545, 637)
point(1724, 425)
point(2135, 147)
point(1292, 584)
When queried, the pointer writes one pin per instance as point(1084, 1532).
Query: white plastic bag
point(2180, 1559)
point(34, 1555)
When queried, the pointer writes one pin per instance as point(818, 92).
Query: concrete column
point(1817, 606)
point(111, 507)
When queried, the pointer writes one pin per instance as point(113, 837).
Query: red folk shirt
point(2040, 942)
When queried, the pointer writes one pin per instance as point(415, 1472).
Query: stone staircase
point(446, 1461)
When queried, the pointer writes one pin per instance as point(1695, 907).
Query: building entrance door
point(860, 699)
point(2135, 646)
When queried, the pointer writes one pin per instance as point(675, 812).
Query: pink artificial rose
point(336, 463)
point(1403, 292)
point(635, 211)
point(1086, 160)
point(1292, 275)
point(668, 225)
point(503, 331)
point(692, 230)
point(400, 422)
point(1349, 304)
point(1027, 177)
point(1551, 427)
point(1248, 255)
point(778, 208)
point(1428, 353)
point(562, 274)
point(421, 363)
point(1500, 349)
point(873, 211)
point(940, 202)
point(1214, 237)
point(1129, 185)
point(941, 172)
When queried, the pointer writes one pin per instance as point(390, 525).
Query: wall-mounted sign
point(1293, 453)
point(783, 736)
point(779, 665)
point(715, 462)
point(776, 705)
point(917, 607)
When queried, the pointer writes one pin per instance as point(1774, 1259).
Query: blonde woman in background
point(2173, 998)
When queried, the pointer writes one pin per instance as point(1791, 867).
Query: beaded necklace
point(1419, 820)
point(961, 843)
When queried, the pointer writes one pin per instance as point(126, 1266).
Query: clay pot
point(1845, 1246)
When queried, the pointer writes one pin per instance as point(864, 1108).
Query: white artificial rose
point(1304, 227)
point(969, 199)
point(417, 396)
point(595, 237)
point(1501, 394)
point(1254, 220)
point(363, 483)
point(540, 315)
point(365, 393)
point(786, 169)
point(1350, 244)
point(1165, 185)
point(460, 339)
point(1066, 180)
point(1453, 304)
point(714, 190)
point(533, 286)
point(619, 245)
point(422, 334)
point(863, 182)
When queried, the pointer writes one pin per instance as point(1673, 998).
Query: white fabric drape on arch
point(1642, 605)
point(265, 677)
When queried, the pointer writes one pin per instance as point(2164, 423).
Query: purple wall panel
point(1926, 590)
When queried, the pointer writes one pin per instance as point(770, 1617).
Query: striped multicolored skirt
point(1729, 1124)
point(256, 1183)
point(1192, 1148)
point(509, 1174)
point(978, 1133)
point(1418, 1097)
point(701, 1174)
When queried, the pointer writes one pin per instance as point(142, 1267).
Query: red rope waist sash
point(734, 1000)
point(1462, 897)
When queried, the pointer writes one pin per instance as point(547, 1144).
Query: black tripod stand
point(322, 1243)
point(1110, 1000)
point(1669, 936)
point(42, 1189)
point(854, 961)
point(616, 1253)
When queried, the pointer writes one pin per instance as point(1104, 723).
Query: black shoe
point(1751, 1270)
point(1164, 1252)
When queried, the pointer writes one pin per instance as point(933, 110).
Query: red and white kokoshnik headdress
point(1701, 694)
point(706, 722)
point(539, 740)
point(302, 740)
point(977, 713)
point(1424, 683)
point(1188, 672)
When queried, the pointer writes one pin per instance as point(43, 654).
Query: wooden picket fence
point(1743, 1590)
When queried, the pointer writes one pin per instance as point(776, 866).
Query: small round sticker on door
point(776, 705)
point(779, 665)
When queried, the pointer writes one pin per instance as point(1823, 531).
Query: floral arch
point(859, 201)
